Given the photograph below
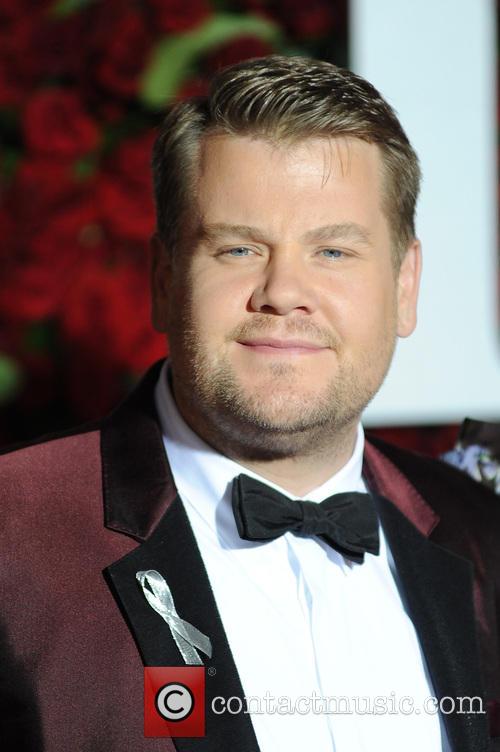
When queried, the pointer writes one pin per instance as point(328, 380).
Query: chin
point(280, 408)
point(291, 377)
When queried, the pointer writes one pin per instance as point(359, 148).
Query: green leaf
point(85, 167)
point(62, 8)
point(10, 377)
point(173, 58)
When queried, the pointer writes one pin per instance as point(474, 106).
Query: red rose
point(36, 281)
point(107, 334)
point(316, 18)
point(56, 124)
point(65, 222)
point(43, 219)
point(124, 192)
point(237, 50)
point(174, 16)
point(47, 182)
point(61, 44)
point(18, 67)
point(119, 48)
point(107, 316)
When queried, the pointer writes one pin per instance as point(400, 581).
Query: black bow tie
point(346, 521)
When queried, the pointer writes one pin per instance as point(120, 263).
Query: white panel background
point(435, 62)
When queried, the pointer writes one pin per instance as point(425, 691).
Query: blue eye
point(332, 253)
point(239, 251)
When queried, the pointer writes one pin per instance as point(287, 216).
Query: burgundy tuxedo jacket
point(84, 511)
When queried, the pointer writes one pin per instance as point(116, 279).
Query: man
point(285, 267)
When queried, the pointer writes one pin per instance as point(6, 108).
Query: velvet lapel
point(437, 587)
point(141, 501)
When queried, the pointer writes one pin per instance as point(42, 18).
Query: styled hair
point(283, 100)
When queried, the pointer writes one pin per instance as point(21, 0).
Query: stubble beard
point(281, 420)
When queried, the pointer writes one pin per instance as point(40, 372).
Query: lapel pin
point(187, 638)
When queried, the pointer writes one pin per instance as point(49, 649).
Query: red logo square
point(174, 701)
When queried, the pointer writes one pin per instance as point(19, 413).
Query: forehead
point(341, 155)
point(316, 181)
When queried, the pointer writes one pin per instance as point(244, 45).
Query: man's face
point(283, 306)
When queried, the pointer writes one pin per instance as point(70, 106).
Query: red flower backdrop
point(82, 84)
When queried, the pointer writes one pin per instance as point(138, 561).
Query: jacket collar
point(387, 480)
point(137, 482)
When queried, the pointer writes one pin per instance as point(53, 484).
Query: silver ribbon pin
point(187, 638)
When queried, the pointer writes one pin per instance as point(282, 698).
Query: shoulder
point(449, 491)
point(48, 464)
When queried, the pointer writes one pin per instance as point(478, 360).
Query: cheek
point(217, 303)
point(362, 310)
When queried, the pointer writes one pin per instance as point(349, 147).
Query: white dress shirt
point(301, 621)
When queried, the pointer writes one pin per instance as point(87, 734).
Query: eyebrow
point(326, 233)
point(340, 231)
point(220, 230)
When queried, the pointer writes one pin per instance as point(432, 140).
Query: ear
point(408, 287)
point(161, 283)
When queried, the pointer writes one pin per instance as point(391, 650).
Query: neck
point(308, 463)
point(301, 474)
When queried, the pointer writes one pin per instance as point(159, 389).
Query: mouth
point(274, 346)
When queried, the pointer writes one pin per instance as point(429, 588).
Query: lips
point(273, 344)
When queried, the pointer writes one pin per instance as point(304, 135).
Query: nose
point(285, 285)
